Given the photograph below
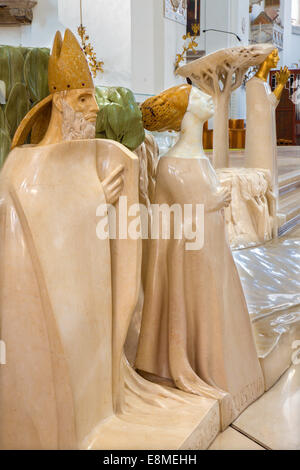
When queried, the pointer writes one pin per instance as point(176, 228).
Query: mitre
point(67, 70)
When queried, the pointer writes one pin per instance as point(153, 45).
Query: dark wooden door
point(286, 120)
point(286, 112)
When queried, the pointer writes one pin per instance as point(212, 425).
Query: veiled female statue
point(196, 333)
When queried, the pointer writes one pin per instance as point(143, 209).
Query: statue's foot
point(191, 383)
point(153, 392)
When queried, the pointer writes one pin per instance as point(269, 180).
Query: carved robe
point(56, 294)
point(196, 329)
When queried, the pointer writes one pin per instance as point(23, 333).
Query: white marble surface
point(234, 440)
point(250, 215)
point(274, 419)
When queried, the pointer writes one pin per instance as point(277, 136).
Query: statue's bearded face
point(79, 113)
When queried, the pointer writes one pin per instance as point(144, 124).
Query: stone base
point(274, 336)
point(192, 424)
point(250, 218)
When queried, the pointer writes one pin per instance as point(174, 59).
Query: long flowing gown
point(196, 331)
point(261, 142)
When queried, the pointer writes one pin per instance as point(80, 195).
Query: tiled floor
point(234, 440)
point(272, 422)
point(289, 203)
point(274, 419)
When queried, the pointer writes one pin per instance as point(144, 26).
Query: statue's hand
point(113, 185)
point(222, 199)
point(282, 76)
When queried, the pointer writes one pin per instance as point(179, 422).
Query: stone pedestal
point(251, 216)
point(192, 424)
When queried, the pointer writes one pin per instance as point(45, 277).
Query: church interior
point(117, 332)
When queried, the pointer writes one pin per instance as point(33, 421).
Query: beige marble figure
point(251, 216)
point(61, 378)
point(196, 333)
point(219, 74)
point(261, 142)
point(67, 294)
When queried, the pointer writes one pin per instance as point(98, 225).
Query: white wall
point(286, 15)
point(240, 24)
point(291, 52)
point(293, 56)
point(228, 15)
point(155, 42)
point(173, 33)
point(217, 14)
point(147, 47)
point(138, 45)
point(40, 33)
point(108, 24)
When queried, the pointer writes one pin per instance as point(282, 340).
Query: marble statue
point(67, 296)
point(52, 262)
point(251, 217)
point(196, 333)
point(219, 74)
point(148, 155)
point(261, 142)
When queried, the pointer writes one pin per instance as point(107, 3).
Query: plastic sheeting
point(270, 275)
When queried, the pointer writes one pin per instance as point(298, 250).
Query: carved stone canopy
point(16, 12)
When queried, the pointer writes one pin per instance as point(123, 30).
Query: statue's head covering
point(67, 70)
point(164, 112)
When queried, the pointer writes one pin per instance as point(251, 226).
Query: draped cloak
point(195, 325)
point(56, 309)
point(261, 142)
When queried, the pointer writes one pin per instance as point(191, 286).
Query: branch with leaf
point(190, 46)
point(95, 65)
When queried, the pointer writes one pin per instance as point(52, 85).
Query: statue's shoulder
point(16, 163)
point(252, 81)
point(104, 145)
point(256, 82)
